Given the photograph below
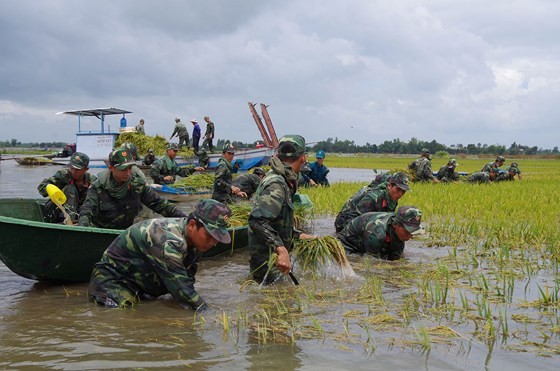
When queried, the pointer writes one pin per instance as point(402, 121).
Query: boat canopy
point(100, 113)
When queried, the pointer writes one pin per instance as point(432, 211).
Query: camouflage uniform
point(203, 159)
point(182, 133)
point(167, 166)
point(111, 206)
point(372, 233)
point(422, 169)
point(380, 180)
point(271, 221)
point(140, 127)
point(153, 258)
point(364, 201)
point(209, 134)
point(248, 183)
point(223, 181)
point(370, 199)
point(75, 194)
point(447, 172)
point(479, 177)
point(494, 165)
point(303, 176)
point(149, 158)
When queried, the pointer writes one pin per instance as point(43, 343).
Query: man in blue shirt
point(319, 171)
point(195, 135)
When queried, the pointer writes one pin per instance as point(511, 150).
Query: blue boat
point(180, 194)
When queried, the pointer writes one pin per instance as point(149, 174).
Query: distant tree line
point(415, 146)
point(348, 146)
point(17, 144)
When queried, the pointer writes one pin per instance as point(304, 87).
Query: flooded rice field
point(378, 319)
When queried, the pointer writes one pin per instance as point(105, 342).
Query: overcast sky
point(454, 71)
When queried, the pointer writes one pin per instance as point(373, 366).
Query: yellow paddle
point(59, 198)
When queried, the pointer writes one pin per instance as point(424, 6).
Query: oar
point(59, 198)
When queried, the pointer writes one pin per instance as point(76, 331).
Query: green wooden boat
point(43, 251)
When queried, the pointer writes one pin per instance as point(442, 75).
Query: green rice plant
point(321, 253)
point(196, 181)
point(423, 338)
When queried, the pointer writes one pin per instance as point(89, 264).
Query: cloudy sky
point(454, 71)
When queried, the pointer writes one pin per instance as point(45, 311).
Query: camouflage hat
point(228, 147)
point(513, 169)
point(425, 151)
point(410, 218)
point(121, 158)
point(291, 145)
point(79, 161)
point(401, 180)
point(501, 159)
point(214, 215)
point(172, 146)
point(452, 162)
point(132, 148)
point(259, 171)
point(514, 164)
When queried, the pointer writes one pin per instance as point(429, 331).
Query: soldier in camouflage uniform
point(447, 172)
point(223, 180)
point(149, 158)
point(271, 221)
point(203, 159)
point(483, 176)
point(166, 169)
point(74, 180)
point(422, 168)
point(494, 165)
point(384, 197)
point(209, 134)
point(159, 256)
point(117, 196)
point(382, 235)
point(303, 177)
point(249, 183)
point(181, 131)
point(513, 170)
point(380, 179)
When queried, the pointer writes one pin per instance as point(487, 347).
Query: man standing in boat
point(117, 196)
point(159, 256)
point(74, 180)
point(181, 132)
point(223, 180)
point(195, 135)
point(166, 169)
point(271, 221)
point(140, 127)
point(209, 134)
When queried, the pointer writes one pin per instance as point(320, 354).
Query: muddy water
point(54, 326)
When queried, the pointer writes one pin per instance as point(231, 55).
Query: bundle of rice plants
point(321, 255)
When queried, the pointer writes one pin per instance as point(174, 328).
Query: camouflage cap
point(228, 147)
point(172, 146)
point(501, 159)
point(121, 158)
point(79, 161)
point(401, 180)
point(425, 151)
point(410, 218)
point(452, 162)
point(513, 169)
point(291, 145)
point(214, 215)
point(132, 148)
point(514, 164)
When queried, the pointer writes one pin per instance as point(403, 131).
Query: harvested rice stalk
point(321, 253)
point(196, 181)
point(143, 143)
point(239, 214)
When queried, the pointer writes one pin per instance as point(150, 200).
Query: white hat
point(194, 120)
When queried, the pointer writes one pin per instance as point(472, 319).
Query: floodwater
point(54, 326)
